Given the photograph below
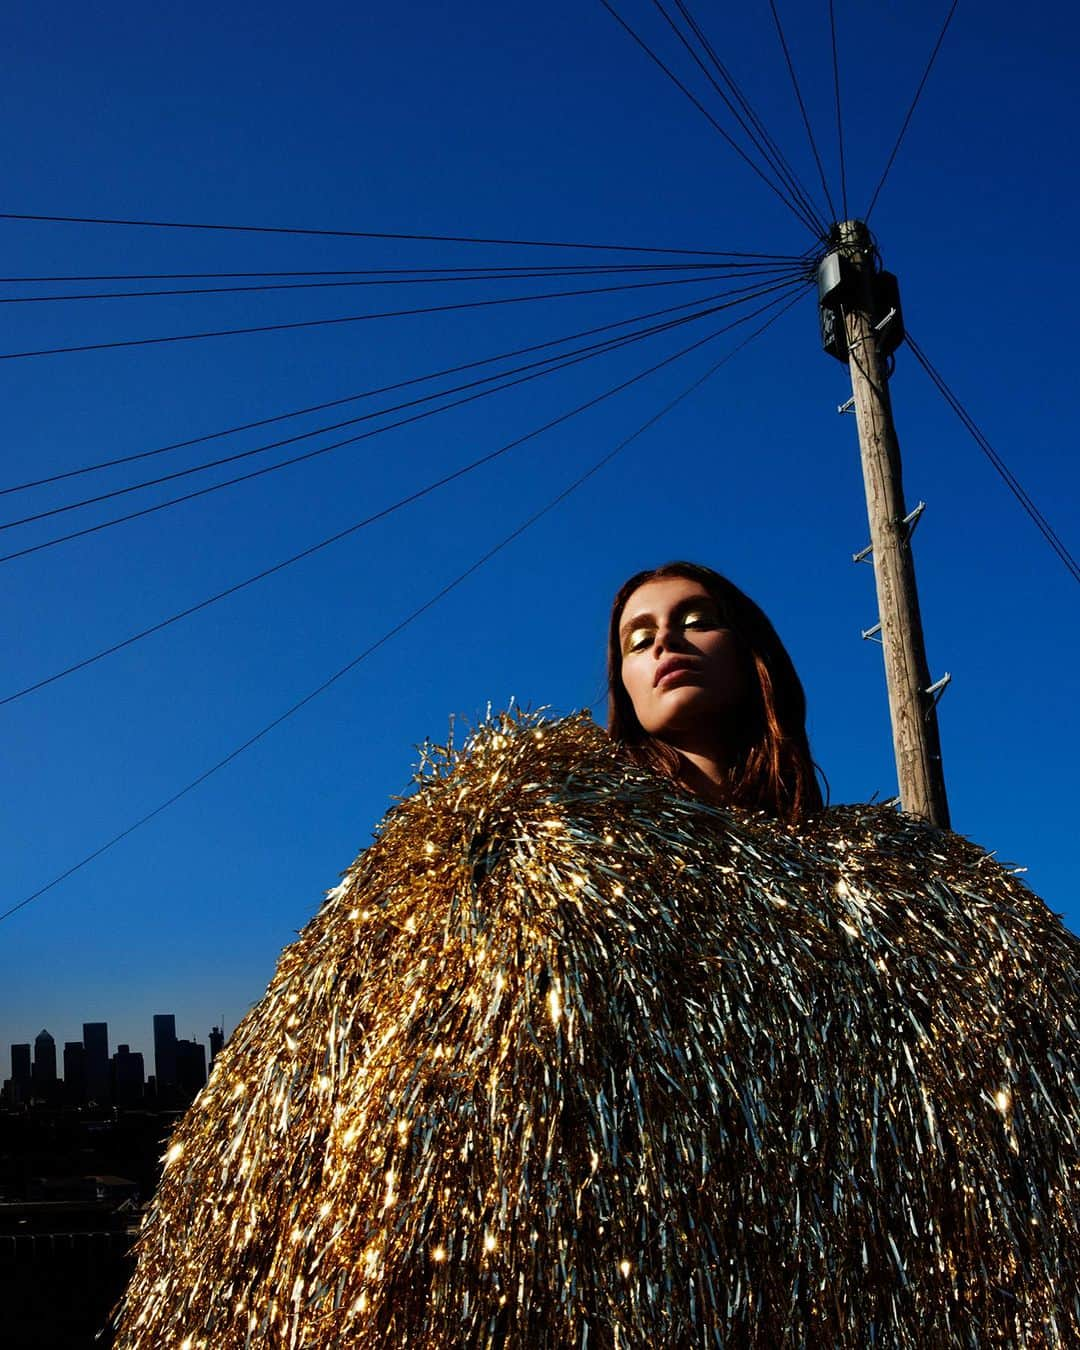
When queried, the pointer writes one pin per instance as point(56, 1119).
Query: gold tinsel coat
point(572, 1059)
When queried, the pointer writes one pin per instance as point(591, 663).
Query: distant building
point(165, 1067)
point(44, 1070)
point(98, 1077)
point(18, 1085)
point(74, 1073)
point(217, 1042)
point(128, 1077)
point(190, 1067)
point(20, 1063)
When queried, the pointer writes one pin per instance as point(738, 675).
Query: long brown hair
point(772, 767)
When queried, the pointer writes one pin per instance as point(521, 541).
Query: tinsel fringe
point(573, 1059)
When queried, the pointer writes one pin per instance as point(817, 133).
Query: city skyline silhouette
point(96, 1071)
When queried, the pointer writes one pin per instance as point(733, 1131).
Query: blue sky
point(511, 123)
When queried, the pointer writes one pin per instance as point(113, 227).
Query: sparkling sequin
point(573, 1059)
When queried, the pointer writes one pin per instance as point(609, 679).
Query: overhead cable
point(442, 279)
point(563, 362)
point(342, 534)
point(1007, 476)
point(737, 295)
point(354, 234)
point(349, 530)
point(839, 118)
point(769, 150)
point(382, 271)
point(348, 398)
point(911, 110)
point(350, 318)
point(404, 623)
point(802, 107)
point(785, 198)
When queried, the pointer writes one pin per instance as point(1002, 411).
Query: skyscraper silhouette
point(165, 1052)
point(96, 1043)
point(128, 1076)
point(20, 1063)
point(190, 1067)
point(44, 1073)
point(74, 1073)
point(19, 1090)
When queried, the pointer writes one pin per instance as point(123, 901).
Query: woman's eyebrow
point(638, 621)
point(692, 602)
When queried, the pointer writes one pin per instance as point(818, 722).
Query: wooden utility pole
point(857, 303)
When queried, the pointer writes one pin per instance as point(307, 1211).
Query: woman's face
point(683, 670)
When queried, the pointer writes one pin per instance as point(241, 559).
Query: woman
point(701, 688)
point(584, 1054)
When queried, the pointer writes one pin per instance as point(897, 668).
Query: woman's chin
point(686, 709)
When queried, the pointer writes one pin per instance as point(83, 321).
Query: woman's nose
point(667, 638)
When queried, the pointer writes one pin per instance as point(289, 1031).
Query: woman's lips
point(669, 672)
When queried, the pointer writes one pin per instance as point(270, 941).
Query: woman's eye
point(698, 619)
point(638, 640)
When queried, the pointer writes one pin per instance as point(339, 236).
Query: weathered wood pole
point(913, 710)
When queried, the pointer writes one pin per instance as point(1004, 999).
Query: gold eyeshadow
point(634, 636)
point(699, 614)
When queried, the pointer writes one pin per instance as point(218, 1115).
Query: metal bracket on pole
point(938, 688)
point(846, 407)
point(912, 518)
point(871, 634)
point(863, 554)
point(886, 320)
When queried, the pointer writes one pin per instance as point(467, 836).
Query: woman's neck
point(703, 772)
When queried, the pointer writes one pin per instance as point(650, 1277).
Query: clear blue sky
point(538, 122)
